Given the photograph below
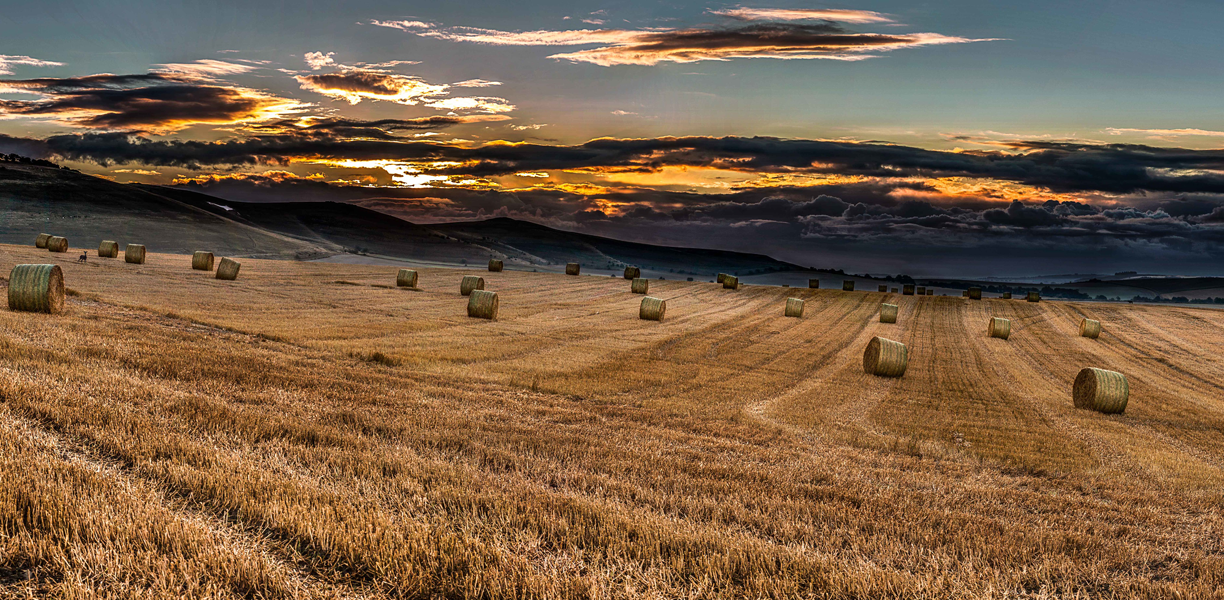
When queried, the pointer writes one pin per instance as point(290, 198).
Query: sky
point(938, 138)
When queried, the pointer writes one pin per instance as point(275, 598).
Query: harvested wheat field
point(312, 431)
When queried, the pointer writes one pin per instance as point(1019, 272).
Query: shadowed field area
point(311, 431)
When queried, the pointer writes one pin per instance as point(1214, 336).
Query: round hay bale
point(1090, 328)
point(108, 249)
point(57, 243)
point(228, 269)
point(470, 283)
point(1007, 295)
point(721, 277)
point(975, 293)
point(999, 328)
point(848, 285)
point(888, 313)
point(794, 307)
point(482, 304)
point(134, 253)
point(930, 292)
point(496, 266)
point(921, 290)
point(41, 240)
point(885, 358)
point(1101, 390)
point(572, 268)
point(36, 288)
point(652, 309)
point(1033, 297)
point(907, 289)
point(882, 288)
point(202, 261)
point(632, 273)
point(814, 284)
point(894, 290)
point(639, 285)
point(406, 278)
point(731, 282)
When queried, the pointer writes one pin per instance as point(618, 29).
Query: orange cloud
point(793, 14)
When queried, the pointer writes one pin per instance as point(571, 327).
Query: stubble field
point(310, 431)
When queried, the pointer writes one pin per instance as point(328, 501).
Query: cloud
point(476, 83)
point(382, 129)
point(789, 41)
point(206, 68)
point(318, 60)
point(791, 14)
point(8, 61)
point(1165, 132)
point(356, 85)
point(159, 102)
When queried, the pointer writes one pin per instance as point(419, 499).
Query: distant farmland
point(312, 431)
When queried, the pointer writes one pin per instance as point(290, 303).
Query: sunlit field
point(312, 431)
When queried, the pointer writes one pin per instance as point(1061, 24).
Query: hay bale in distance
point(202, 261)
point(848, 285)
point(632, 273)
point(406, 278)
point(731, 282)
point(930, 292)
point(907, 289)
point(894, 290)
point(882, 288)
point(885, 358)
point(134, 253)
point(794, 307)
point(572, 268)
point(495, 265)
point(1034, 297)
point(975, 293)
point(888, 313)
point(228, 269)
point(36, 288)
point(999, 328)
point(41, 240)
point(652, 309)
point(721, 277)
point(1090, 328)
point(1101, 390)
point(482, 304)
point(965, 294)
point(108, 249)
point(813, 284)
point(470, 283)
point(1007, 295)
point(57, 243)
point(922, 290)
point(639, 285)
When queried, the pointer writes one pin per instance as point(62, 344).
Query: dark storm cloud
point(381, 129)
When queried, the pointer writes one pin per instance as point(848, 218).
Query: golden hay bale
point(406, 278)
point(885, 358)
point(794, 307)
point(1034, 297)
point(652, 309)
point(1007, 295)
point(632, 272)
point(470, 283)
point(572, 268)
point(495, 266)
point(57, 243)
point(639, 285)
point(930, 292)
point(888, 313)
point(848, 285)
point(36, 288)
point(999, 328)
point(1090, 328)
point(975, 293)
point(134, 253)
point(108, 249)
point(894, 290)
point(721, 277)
point(907, 289)
point(882, 288)
point(228, 269)
point(41, 240)
point(814, 284)
point(202, 261)
point(1101, 390)
point(482, 305)
point(921, 290)
point(731, 282)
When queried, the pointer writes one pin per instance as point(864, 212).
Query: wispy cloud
point(476, 83)
point(8, 61)
point(648, 47)
point(357, 85)
point(800, 14)
point(1165, 132)
point(206, 68)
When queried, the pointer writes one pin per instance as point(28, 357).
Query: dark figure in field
point(83, 257)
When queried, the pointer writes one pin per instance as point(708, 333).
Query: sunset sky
point(964, 137)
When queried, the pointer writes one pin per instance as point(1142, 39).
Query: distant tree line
point(25, 160)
